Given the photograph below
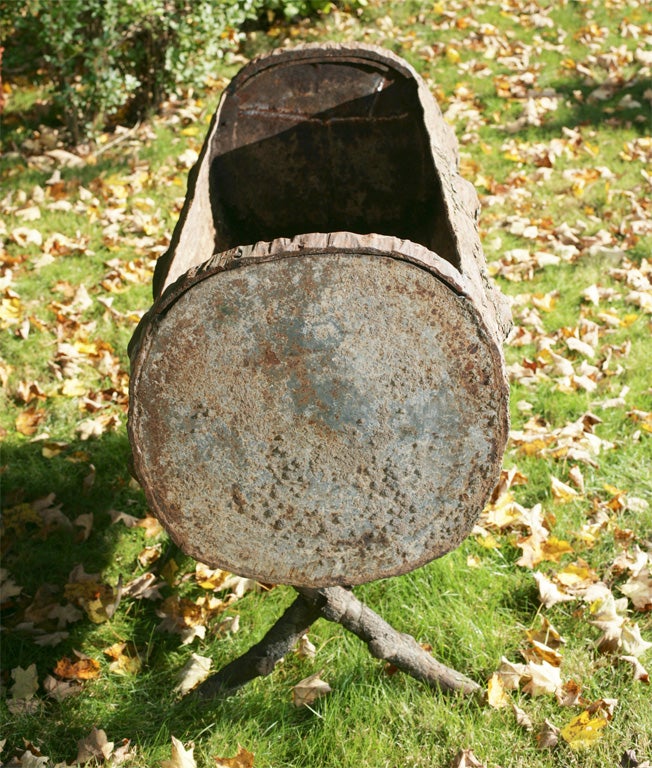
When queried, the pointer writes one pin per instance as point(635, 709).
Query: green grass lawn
point(551, 105)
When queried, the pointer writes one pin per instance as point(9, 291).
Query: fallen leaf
point(511, 674)
point(60, 689)
point(94, 747)
point(181, 757)
point(639, 590)
point(144, 587)
point(243, 759)
point(549, 593)
point(522, 718)
point(25, 682)
point(640, 673)
point(83, 669)
point(569, 695)
point(466, 759)
point(305, 649)
point(584, 730)
point(496, 696)
point(545, 634)
point(208, 578)
point(562, 493)
point(126, 659)
point(151, 526)
point(195, 671)
point(8, 587)
point(632, 642)
point(539, 652)
point(541, 679)
point(29, 420)
point(306, 691)
point(548, 736)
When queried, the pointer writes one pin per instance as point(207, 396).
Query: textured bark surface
point(343, 607)
point(260, 659)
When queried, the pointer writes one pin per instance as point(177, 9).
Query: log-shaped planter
point(318, 392)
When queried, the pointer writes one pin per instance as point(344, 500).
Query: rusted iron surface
point(318, 416)
point(321, 408)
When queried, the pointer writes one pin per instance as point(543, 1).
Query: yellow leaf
point(612, 489)
point(553, 549)
point(452, 55)
point(561, 492)
point(208, 578)
point(10, 312)
point(577, 574)
point(583, 731)
point(628, 320)
point(488, 542)
point(545, 302)
point(73, 388)
point(540, 652)
point(496, 696)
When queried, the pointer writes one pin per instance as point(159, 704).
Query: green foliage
point(119, 58)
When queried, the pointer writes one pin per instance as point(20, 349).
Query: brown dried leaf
point(305, 649)
point(569, 695)
point(243, 759)
point(25, 682)
point(28, 421)
point(466, 759)
point(82, 669)
point(640, 673)
point(548, 736)
point(60, 689)
point(306, 691)
point(639, 590)
point(144, 587)
point(546, 634)
point(522, 718)
point(94, 747)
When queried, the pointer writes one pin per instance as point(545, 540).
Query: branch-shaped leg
point(261, 658)
point(343, 607)
point(384, 642)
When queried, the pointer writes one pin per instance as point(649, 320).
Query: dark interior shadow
point(322, 146)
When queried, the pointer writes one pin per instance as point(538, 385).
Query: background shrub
point(122, 57)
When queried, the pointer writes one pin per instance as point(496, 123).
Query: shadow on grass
point(40, 556)
point(143, 707)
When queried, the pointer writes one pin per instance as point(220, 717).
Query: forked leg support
point(343, 607)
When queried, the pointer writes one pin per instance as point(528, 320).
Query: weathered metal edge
point(302, 245)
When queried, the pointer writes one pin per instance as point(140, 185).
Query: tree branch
point(261, 658)
point(341, 606)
